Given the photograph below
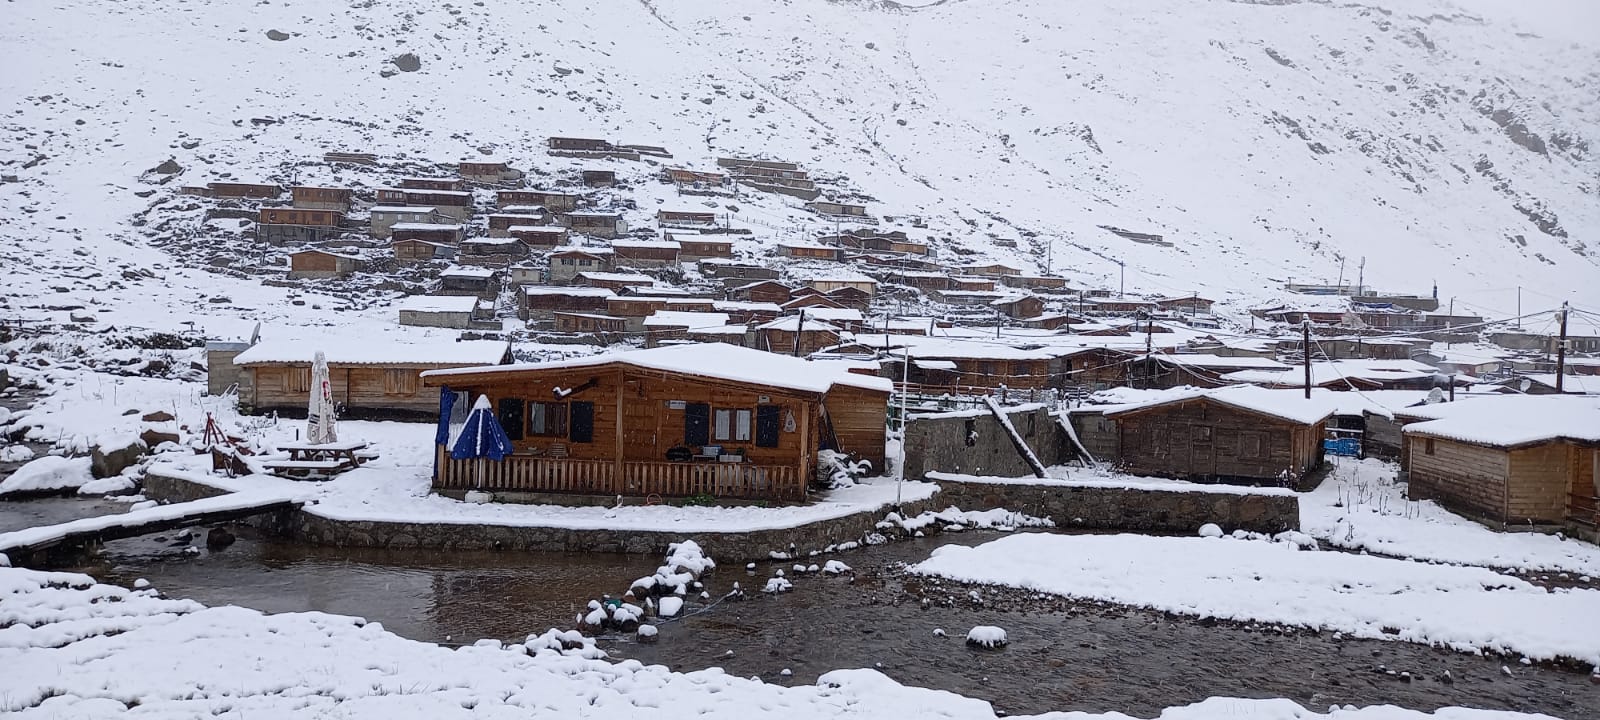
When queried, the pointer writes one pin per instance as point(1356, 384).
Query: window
point(1252, 445)
point(582, 422)
point(1427, 446)
point(1200, 434)
point(768, 419)
point(970, 432)
point(585, 262)
point(731, 425)
point(298, 380)
point(510, 412)
point(696, 424)
point(566, 261)
point(548, 419)
point(400, 381)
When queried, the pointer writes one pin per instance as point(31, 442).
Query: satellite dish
point(1435, 396)
point(255, 334)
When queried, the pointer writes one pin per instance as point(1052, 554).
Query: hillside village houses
point(581, 264)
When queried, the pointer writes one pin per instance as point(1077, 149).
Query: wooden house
point(765, 291)
point(442, 233)
point(685, 218)
point(580, 144)
point(541, 302)
point(1508, 461)
point(992, 270)
point(744, 312)
point(547, 199)
point(605, 328)
point(410, 251)
point(279, 225)
point(319, 264)
point(748, 164)
point(440, 184)
point(566, 262)
point(463, 280)
point(645, 253)
point(967, 283)
point(321, 198)
point(925, 281)
point(1018, 306)
point(811, 335)
point(444, 311)
point(829, 207)
point(682, 176)
point(1119, 305)
point(385, 217)
point(1186, 305)
point(618, 281)
point(455, 204)
point(598, 178)
point(500, 223)
point(538, 237)
point(1089, 368)
point(959, 366)
point(829, 284)
point(674, 325)
point(254, 191)
point(733, 273)
point(851, 297)
point(848, 319)
point(506, 248)
point(487, 172)
point(1250, 435)
point(596, 223)
point(1035, 282)
point(1162, 370)
point(968, 297)
point(694, 246)
point(811, 300)
point(370, 378)
point(801, 250)
point(675, 421)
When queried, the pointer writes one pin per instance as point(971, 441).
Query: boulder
point(408, 62)
point(157, 416)
point(277, 35)
point(107, 462)
point(153, 437)
point(219, 538)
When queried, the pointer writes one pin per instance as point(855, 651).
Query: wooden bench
point(304, 468)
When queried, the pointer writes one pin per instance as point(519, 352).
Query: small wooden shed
point(370, 378)
point(1244, 434)
point(318, 264)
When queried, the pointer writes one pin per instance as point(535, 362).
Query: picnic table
point(320, 459)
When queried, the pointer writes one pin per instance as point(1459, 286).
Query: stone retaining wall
point(729, 546)
point(1110, 508)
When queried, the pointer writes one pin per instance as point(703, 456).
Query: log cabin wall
point(1466, 478)
point(365, 391)
point(858, 417)
point(1539, 481)
point(1207, 441)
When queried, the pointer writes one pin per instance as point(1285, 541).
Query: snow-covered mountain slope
point(1266, 140)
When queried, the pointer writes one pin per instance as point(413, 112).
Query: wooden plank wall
point(1540, 478)
point(359, 388)
point(1202, 440)
point(1465, 478)
point(859, 418)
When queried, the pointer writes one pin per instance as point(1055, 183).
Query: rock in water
point(219, 538)
point(648, 634)
point(987, 636)
point(409, 62)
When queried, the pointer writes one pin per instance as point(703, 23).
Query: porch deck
point(743, 481)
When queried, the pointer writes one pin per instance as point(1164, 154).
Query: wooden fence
point(642, 478)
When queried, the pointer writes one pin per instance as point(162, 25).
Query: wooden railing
point(1584, 509)
point(639, 478)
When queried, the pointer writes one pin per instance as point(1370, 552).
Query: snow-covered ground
point(74, 649)
point(1465, 608)
point(1360, 506)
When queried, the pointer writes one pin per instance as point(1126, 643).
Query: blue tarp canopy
point(482, 437)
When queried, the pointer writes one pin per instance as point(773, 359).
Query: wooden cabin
point(1162, 370)
point(682, 176)
point(410, 251)
point(603, 329)
point(321, 264)
point(1508, 461)
point(685, 218)
point(744, 313)
point(487, 172)
point(829, 207)
point(566, 262)
point(1186, 305)
point(675, 421)
point(255, 191)
point(538, 238)
point(811, 300)
point(645, 253)
point(733, 273)
point(811, 251)
point(443, 233)
point(613, 281)
point(1019, 306)
point(321, 198)
point(851, 297)
point(464, 280)
point(858, 282)
point(385, 217)
point(1035, 282)
point(766, 291)
point(370, 378)
point(455, 204)
point(990, 270)
point(1250, 435)
point(440, 184)
point(967, 283)
point(810, 334)
point(540, 302)
point(693, 246)
point(444, 311)
point(506, 248)
point(279, 225)
point(580, 144)
point(599, 224)
point(598, 178)
point(500, 223)
point(669, 325)
point(547, 199)
point(964, 366)
point(925, 281)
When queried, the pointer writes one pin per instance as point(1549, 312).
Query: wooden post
point(1561, 352)
point(805, 446)
point(1305, 344)
point(619, 482)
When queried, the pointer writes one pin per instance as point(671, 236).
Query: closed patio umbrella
point(481, 438)
point(320, 414)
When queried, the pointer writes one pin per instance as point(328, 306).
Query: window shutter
point(511, 417)
point(582, 416)
point(696, 424)
point(768, 420)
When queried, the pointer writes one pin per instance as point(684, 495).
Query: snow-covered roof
point(834, 314)
point(712, 360)
point(1291, 405)
point(724, 330)
point(685, 319)
point(650, 244)
point(568, 291)
point(418, 209)
point(424, 226)
point(618, 277)
point(730, 305)
point(567, 249)
point(467, 271)
point(942, 348)
point(439, 303)
point(535, 229)
point(491, 241)
point(366, 351)
point(1509, 420)
point(529, 210)
point(791, 323)
point(1572, 384)
point(1202, 360)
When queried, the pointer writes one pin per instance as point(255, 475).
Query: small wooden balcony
point(519, 473)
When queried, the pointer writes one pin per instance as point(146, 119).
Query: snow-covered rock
point(670, 606)
point(777, 585)
point(51, 472)
point(1210, 530)
point(987, 636)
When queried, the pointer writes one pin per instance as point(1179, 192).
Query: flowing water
point(1063, 655)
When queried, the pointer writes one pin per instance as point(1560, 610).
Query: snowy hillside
point(1264, 140)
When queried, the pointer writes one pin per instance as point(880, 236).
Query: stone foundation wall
point(1106, 508)
point(974, 443)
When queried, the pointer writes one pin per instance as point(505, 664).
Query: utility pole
point(1122, 281)
point(1449, 321)
point(1561, 353)
point(799, 326)
point(1361, 278)
point(1305, 342)
point(1519, 307)
point(1149, 350)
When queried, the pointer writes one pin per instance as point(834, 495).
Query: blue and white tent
point(481, 437)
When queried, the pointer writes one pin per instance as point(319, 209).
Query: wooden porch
point(742, 481)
